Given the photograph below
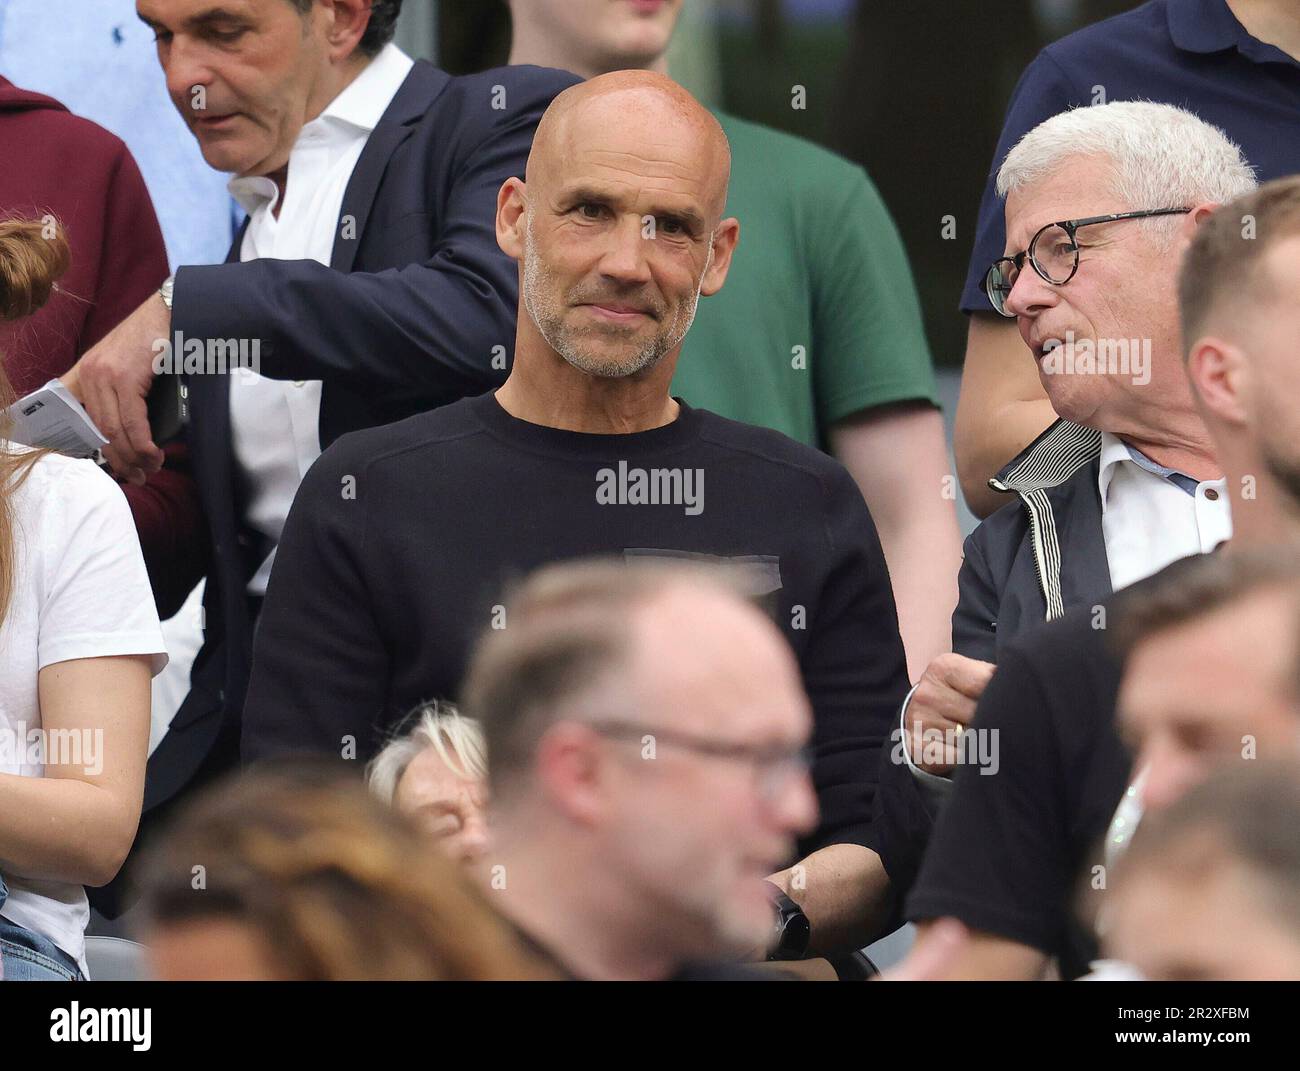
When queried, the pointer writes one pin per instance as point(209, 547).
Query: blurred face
point(600, 35)
point(210, 950)
point(698, 831)
point(448, 807)
point(620, 241)
point(1217, 927)
point(246, 75)
point(1274, 383)
point(1211, 692)
point(1124, 289)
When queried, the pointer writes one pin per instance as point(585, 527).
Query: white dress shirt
point(275, 425)
point(1152, 516)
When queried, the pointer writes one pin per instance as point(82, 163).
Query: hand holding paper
point(113, 379)
point(51, 417)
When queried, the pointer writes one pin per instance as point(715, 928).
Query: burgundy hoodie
point(59, 164)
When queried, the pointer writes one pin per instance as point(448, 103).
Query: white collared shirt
point(1148, 520)
point(275, 424)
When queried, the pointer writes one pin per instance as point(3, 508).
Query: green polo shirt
point(819, 317)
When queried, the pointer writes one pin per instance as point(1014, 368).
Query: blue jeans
point(27, 956)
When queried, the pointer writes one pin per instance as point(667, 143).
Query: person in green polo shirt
point(817, 332)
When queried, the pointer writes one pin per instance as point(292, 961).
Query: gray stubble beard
point(547, 319)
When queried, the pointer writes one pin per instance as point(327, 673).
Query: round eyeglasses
point(1054, 254)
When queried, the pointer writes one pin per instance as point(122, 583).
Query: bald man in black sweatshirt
point(403, 539)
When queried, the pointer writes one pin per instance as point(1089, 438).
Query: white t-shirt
point(80, 591)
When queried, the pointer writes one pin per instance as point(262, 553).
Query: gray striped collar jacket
point(1043, 552)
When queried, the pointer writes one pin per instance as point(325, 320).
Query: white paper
point(51, 417)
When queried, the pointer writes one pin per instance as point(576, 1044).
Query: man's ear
point(348, 22)
point(1220, 377)
point(1198, 215)
point(725, 236)
point(570, 772)
point(512, 217)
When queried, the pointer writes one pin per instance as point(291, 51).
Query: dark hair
point(1226, 255)
point(338, 885)
point(383, 23)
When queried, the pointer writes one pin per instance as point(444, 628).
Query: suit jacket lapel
point(209, 435)
point(411, 102)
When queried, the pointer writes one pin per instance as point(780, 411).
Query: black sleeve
point(999, 859)
point(320, 666)
point(905, 813)
point(854, 670)
point(903, 820)
point(418, 334)
point(978, 600)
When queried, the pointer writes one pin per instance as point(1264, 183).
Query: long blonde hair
point(33, 254)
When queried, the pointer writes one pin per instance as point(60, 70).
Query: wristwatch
point(793, 931)
point(165, 291)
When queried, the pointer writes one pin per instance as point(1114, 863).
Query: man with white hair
point(1100, 203)
point(1236, 62)
point(1009, 852)
point(402, 540)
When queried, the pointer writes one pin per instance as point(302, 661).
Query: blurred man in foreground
point(1212, 669)
point(647, 728)
point(1210, 889)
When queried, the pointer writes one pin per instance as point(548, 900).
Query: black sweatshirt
point(403, 539)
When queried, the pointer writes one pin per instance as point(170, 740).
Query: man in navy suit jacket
point(372, 280)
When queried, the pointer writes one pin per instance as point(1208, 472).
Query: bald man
point(403, 539)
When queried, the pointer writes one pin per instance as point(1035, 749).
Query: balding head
point(618, 225)
point(601, 116)
point(644, 725)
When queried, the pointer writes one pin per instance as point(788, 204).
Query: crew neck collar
point(492, 414)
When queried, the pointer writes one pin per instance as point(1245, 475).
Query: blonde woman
point(79, 641)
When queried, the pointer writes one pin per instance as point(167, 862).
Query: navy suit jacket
point(416, 309)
